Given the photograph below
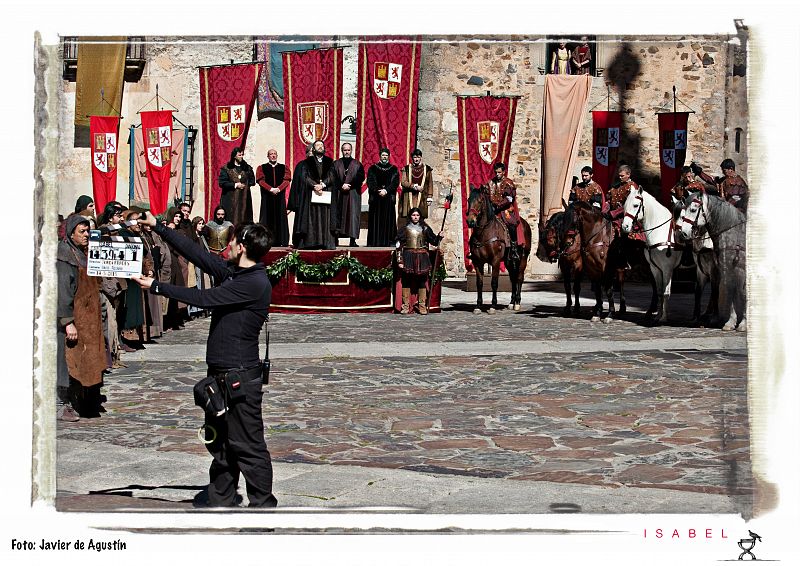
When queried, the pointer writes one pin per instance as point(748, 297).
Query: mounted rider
point(616, 199)
point(503, 194)
point(588, 191)
point(687, 184)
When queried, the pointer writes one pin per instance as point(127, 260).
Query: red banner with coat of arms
point(485, 128)
point(388, 90)
point(312, 87)
point(227, 98)
point(606, 127)
point(157, 135)
point(672, 136)
point(104, 135)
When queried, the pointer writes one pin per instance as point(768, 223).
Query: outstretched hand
point(149, 220)
point(144, 282)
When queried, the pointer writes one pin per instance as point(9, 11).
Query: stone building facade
point(636, 74)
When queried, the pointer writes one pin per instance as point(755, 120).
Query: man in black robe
point(316, 218)
point(274, 178)
point(383, 178)
point(349, 179)
point(235, 180)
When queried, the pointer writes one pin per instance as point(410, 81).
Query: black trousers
point(239, 446)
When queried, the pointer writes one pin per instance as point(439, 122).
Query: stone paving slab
point(498, 405)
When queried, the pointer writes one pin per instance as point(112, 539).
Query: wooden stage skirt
point(341, 294)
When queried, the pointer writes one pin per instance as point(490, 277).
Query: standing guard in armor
point(218, 232)
point(413, 259)
point(503, 194)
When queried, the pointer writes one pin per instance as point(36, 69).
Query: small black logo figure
point(751, 543)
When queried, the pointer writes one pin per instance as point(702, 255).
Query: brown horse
point(559, 244)
point(487, 245)
point(596, 235)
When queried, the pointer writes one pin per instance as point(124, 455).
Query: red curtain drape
point(485, 129)
point(312, 86)
point(388, 90)
point(157, 132)
point(227, 97)
point(606, 128)
point(672, 136)
point(104, 136)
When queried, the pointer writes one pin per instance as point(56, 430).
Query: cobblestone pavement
point(594, 405)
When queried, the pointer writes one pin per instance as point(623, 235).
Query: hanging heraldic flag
point(672, 149)
point(138, 189)
point(104, 135)
point(388, 89)
point(157, 133)
point(485, 128)
point(312, 87)
point(227, 98)
point(606, 135)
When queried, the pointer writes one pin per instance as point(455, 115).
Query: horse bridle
point(472, 210)
point(693, 223)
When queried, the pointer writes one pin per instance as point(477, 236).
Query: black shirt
point(239, 305)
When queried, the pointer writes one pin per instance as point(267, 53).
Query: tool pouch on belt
point(209, 397)
point(234, 384)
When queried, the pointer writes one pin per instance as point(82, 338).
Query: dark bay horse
point(562, 244)
point(596, 236)
point(488, 245)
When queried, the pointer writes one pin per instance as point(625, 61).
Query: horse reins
point(670, 220)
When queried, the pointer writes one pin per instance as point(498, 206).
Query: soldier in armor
point(588, 191)
point(413, 259)
point(218, 232)
point(503, 194)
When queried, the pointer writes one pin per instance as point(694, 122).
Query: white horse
point(726, 226)
point(663, 252)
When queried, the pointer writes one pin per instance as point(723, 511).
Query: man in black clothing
point(239, 307)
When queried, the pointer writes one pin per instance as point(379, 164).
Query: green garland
point(319, 272)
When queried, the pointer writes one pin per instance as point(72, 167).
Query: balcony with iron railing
point(134, 59)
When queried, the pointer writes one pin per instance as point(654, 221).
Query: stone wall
point(639, 71)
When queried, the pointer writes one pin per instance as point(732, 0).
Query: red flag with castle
point(485, 128)
point(388, 90)
point(672, 138)
point(227, 97)
point(104, 135)
point(157, 135)
point(606, 127)
point(312, 87)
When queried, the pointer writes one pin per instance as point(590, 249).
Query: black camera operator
point(239, 307)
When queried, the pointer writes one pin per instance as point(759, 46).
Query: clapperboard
point(114, 256)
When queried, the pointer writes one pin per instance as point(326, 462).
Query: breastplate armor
point(415, 237)
point(218, 236)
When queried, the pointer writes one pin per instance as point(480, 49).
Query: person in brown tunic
point(503, 194)
point(581, 58)
point(416, 181)
point(686, 184)
point(730, 187)
point(588, 191)
point(80, 346)
point(616, 200)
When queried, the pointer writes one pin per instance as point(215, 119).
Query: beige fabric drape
point(101, 65)
point(566, 98)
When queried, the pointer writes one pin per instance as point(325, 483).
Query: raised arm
point(208, 262)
